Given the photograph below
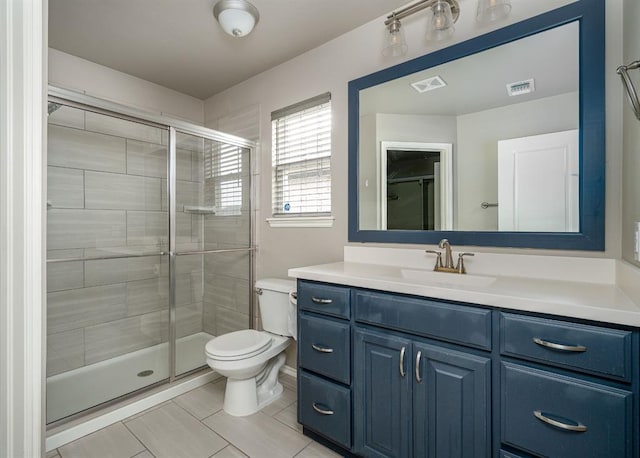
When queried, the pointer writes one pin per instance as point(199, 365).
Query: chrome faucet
point(448, 266)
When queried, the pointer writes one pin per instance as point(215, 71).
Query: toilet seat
point(238, 345)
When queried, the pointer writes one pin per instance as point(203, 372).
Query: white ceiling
point(178, 43)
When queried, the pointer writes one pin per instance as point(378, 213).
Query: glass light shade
point(237, 23)
point(493, 10)
point(440, 26)
point(395, 44)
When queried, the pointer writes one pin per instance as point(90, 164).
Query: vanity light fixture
point(441, 20)
point(442, 16)
point(493, 10)
point(236, 17)
point(395, 43)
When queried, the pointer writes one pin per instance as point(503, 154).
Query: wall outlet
point(636, 241)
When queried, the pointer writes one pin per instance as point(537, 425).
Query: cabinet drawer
point(325, 408)
point(326, 299)
point(455, 323)
point(324, 347)
point(591, 349)
point(545, 413)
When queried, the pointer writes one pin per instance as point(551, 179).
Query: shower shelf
point(199, 210)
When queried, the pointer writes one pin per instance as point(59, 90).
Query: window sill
point(301, 221)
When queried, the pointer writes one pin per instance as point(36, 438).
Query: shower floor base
point(80, 389)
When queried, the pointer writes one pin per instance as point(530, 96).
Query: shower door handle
point(222, 250)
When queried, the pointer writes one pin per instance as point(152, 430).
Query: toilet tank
point(273, 299)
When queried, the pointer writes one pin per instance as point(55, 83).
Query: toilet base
point(248, 396)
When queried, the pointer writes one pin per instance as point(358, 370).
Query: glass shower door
point(107, 274)
point(213, 261)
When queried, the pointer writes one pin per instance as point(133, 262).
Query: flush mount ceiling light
point(236, 17)
point(442, 16)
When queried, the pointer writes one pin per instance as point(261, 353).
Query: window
point(301, 149)
point(223, 178)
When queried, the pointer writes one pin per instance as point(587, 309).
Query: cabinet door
point(382, 395)
point(451, 403)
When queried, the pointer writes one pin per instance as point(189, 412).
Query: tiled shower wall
point(226, 287)
point(228, 292)
point(107, 196)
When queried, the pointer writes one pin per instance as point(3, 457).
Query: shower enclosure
point(149, 249)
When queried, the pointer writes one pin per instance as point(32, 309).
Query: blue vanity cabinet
point(562, 416)
point(596, 350)
point(382, 394)
point(413, 396)
point(418, 399)
point(422, 377)
point(550, 407)
point(452, 403)
point(324, 361)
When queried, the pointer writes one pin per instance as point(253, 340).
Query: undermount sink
point(430, 276)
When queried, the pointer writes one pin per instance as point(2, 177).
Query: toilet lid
point(238, 345)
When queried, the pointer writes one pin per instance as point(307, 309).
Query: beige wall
point(631, 134)
point(71, 72)
point(369, 174)
point(329, 68)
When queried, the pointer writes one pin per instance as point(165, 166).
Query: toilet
point(251, 359)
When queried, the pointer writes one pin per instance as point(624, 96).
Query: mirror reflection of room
point(513, 134)
point(411, 189)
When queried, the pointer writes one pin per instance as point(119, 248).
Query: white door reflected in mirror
point(538, 183)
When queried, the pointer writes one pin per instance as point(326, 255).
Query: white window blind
point(223, 178)
point(301, 149)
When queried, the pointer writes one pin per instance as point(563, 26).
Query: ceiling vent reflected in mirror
point(521, 87)
point(429, 84)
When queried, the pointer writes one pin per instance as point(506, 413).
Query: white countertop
point(605, 302)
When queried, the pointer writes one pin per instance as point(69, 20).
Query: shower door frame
point(172, 126)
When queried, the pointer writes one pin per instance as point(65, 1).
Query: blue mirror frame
point(591, 16)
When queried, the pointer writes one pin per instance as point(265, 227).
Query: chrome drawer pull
point(557, 346)
point(402, 371)
point(319, 300)
point(322, 411)
point(579, 428)
point(418, 378)
point(321, 349)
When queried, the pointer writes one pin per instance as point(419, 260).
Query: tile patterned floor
point(193, 425)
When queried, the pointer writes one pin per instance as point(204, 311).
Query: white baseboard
point(288, 370)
